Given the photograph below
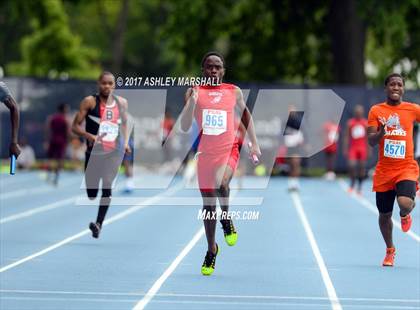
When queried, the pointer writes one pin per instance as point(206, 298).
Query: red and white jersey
point(331, 136)
point(357, 132)
point(109, 127)
point(215, 116)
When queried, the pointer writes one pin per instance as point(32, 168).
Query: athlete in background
point(58, 132)
point(331, 131)
point(294, 141)
point(356, 148)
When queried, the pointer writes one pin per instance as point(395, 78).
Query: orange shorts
point(385, 178)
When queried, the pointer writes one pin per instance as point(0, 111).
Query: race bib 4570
point(214, 122)
point(394, 148)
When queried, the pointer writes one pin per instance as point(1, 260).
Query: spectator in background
point(26, 159)
point(331, 131)
point(58, 131)
point(294, 141)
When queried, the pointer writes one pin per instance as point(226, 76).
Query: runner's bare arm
point(376, 127)
point(190, 100)
point(7, 98)
point(14, 120)
point(246, 120)
point(14, 117)
point(375, 135)
point(124, 127)
point(86, 104)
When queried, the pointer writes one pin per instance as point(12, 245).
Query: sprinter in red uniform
point(214, 109)
point(356, 148)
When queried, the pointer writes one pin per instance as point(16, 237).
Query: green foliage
point(393, 38)
point(262, 40)
point(51, 48)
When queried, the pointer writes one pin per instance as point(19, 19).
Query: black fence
point(38, 98)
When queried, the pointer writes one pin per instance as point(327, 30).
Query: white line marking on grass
point(371, 207)
point(112, 219)
point(335, 303)
point(41, 209)
point(159, 282)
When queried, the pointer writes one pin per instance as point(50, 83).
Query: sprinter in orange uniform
point(390, 125)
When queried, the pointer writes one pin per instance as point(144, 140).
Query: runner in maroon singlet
point(58, 130)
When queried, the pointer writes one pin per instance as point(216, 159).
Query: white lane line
point(254, 305)
point(268, 297)
point(332, 295)
point(112, 219)
point(32, 191)
point(41, 209)
point(159, 282)
point(371, 207)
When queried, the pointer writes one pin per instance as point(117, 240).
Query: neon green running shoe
point(209, 262)
point(229, 231)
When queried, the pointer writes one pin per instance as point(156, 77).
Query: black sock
point(101, 214)
point(104, 205)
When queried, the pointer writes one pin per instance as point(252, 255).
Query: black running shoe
point(95, 229)
point(209, 262)
point(229, 231)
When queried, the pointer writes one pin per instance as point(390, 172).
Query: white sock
point(293, 182)
point(129, 183)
